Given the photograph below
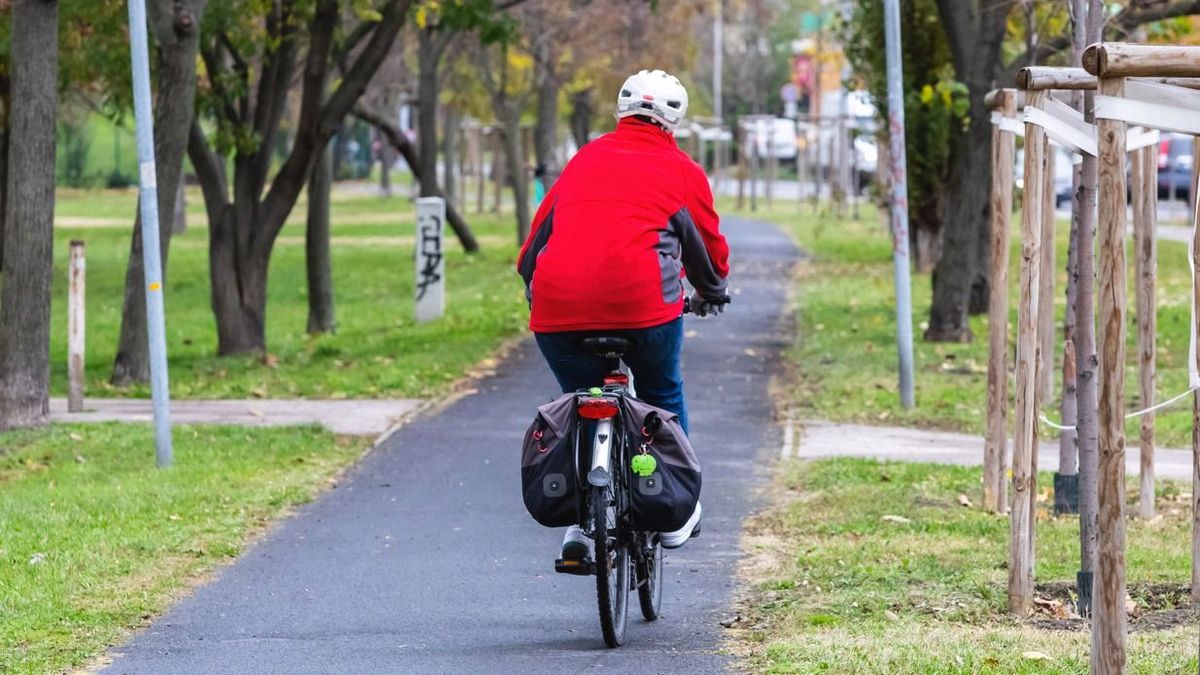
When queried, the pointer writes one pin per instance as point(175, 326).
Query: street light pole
point(895, 78)
point(151, 259)
point(718, 57)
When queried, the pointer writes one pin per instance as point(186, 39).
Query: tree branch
point(402, 145)
point(312, 138)
point(210, 171)
point(1119, 27)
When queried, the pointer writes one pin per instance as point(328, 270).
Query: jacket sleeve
point(539, 235)
point(704, 251)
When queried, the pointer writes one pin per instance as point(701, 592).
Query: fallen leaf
point(896, 519)
point(749, 352)
point(270, 360)
point(173, 516)
point(255, 412)
point(890, 615)
point(964, 500)
point(1036, 656)
point(75, 437)
point(37, 558)
point(1131, 607)
point(689, 334)
point(729, 623)
point(80, 459)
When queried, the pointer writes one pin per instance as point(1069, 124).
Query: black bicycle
point(624, 557)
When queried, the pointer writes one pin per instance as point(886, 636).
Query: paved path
point(824, 439)
point(424, 561)
point(348, 416)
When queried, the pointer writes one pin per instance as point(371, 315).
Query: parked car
point(1176, 156)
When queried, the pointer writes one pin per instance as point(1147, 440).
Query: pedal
point(583, 568)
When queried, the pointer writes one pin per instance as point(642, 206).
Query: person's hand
point(702, 306)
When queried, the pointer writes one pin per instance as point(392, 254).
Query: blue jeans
point(653, 357)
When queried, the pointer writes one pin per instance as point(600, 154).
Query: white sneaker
point(679, 537)
point(576, 545)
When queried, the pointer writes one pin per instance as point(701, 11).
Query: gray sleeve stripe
point(529, 260)
point(696, 261)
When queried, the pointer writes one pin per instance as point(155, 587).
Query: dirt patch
point(1149, 607)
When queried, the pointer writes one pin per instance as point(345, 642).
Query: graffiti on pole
point(430, 261)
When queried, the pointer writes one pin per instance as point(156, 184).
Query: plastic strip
point(1063, 131)
point(1009, 124)
point(1150, 104)
point(1137, 138)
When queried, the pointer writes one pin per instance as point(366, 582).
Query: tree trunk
point(545, 135)
point(3, 167)
point(515, 171)
point(29, 234)
point(959, 275)
point(427, 102)
point(239, 287)
point(387, 157)
point(179, 214)
point(176, 26)
point(450, 155)
point(581, 116)
point(975, 31)
point(316, 248)
point(1087, 392)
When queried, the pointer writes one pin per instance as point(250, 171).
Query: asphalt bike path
point(423, 559)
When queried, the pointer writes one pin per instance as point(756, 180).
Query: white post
point(430, 261)
point(76, 295)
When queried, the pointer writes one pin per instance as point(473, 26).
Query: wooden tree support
point(995, 449)
point(1020, 559)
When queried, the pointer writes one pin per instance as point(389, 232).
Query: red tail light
point(598, 408)
point(1164, 153)
point(616, 378)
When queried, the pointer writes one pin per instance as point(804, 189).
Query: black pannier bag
point(548, 480)
point(664, 500)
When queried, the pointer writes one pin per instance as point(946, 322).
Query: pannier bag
point(663, 500)
point(548, 480)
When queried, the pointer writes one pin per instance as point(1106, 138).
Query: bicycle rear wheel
point(649, 581)
point(612, 567)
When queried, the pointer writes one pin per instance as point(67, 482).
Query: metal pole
point(718, 57)
point(148, 202)
point(895, 77)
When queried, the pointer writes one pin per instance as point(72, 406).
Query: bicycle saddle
point(606, 346)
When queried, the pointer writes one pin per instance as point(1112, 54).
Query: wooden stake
point(995, 447)
point(1144, 179)
point(1020, 559)
point(1109, 621)
point(76, 302)
point(1046, 367)
point(1196, 404)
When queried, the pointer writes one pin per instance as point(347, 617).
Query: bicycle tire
point(650, 588)
point(612, 569)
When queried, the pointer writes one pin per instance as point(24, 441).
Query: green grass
point(838, 589)
point(94, 541)
point(378, 350)
point(845, 353)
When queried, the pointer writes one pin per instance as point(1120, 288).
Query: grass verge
point(870, 567)
point(94, 541)
point(845, 352)
point(378, 350)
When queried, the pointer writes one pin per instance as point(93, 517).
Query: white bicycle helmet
point(655, 94)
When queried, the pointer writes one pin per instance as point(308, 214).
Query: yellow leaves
point(927, 94)
point(519, 61)
point(422, 17)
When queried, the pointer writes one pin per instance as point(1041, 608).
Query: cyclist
point(630, 215)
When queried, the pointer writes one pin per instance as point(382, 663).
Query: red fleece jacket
point(630, 215)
